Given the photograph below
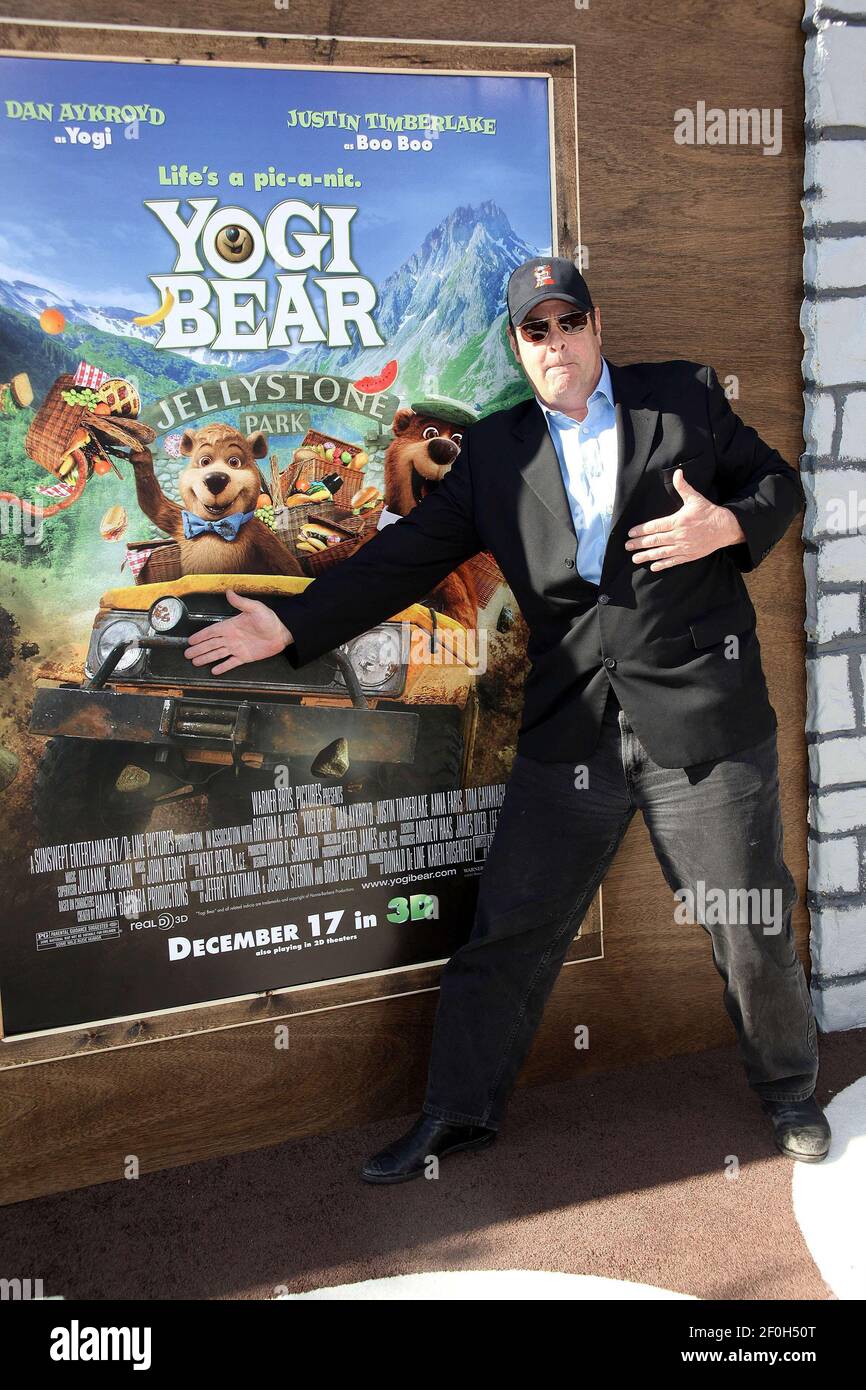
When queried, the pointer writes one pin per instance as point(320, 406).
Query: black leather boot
point(800, 1128)
point(407, 1157)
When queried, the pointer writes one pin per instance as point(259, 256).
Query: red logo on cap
point(543, 276)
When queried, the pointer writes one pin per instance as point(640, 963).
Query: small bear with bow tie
point(216, 529)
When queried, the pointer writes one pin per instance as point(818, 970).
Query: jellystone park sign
point(280, 393)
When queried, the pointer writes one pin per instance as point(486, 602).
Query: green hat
point(445, 408)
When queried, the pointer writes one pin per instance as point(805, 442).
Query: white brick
point(838, 944)
point(840, 1007)
point(834, 263)
point(832, 812)
point(830, 705)
point(835, 501)
point(834, 866)
point(814, 524)
point(837, 168)
point(838, 760)
point(810, 571)
point(819, 422)
point(853, 445)
point(838, 614)
point(835, 333)
point(833, 74)
point(843, 560)
point(816, 8)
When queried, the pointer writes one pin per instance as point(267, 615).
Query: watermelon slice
point(372, 385)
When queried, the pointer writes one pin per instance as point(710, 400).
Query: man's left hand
point(697, 529)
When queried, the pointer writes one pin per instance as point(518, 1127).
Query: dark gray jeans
point(717, 833)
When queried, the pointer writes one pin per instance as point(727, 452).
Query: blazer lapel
point(636, 424)
point(539, 464)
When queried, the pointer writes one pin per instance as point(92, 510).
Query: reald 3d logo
point(420, 907)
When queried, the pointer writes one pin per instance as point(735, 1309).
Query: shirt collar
point(604, 387)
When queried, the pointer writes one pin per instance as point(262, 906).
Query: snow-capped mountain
point(32, 299)
point(440, 313)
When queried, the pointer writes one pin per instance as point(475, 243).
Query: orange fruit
point(52, 321)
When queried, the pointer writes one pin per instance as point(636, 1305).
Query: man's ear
point(512, 343)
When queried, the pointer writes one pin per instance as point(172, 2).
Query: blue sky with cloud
point(76, 219)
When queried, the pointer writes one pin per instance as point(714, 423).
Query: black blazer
point(657, 637)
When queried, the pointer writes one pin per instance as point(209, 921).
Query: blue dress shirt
point(588, 460)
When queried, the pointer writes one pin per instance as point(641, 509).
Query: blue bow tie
point(227, 526)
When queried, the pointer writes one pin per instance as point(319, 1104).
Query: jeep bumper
point(235, 727)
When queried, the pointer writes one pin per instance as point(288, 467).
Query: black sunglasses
point(536, 330)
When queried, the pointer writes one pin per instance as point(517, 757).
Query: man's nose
point(556, 338)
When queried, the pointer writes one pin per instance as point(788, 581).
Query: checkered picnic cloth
point(60, 489)
point(137, 559)
point(85, 375)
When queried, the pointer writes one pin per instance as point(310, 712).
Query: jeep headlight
point(167, 613)
point(377, 657)
point(109, 635)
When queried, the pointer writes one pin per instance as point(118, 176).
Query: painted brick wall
point(833, 466)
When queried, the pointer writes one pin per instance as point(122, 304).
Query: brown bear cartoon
point(426, 442)
point(220, 487)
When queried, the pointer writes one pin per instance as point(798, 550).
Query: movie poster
point(245, 315)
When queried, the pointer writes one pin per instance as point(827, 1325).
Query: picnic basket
point(56, 422)
point(162, 563)
point(358, 528)
point(487, 576)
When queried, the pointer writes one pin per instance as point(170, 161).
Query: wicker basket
point(487, 575)
point(162, 565)
point(289, 520)
point(314, 563)
point(314, 437)
point(55, 422)
point(339, 517)
point(353, 479)
point(53, 426)
point(323, 559)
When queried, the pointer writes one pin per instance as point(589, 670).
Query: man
point(622, 505)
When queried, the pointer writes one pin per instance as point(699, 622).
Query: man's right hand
point(254, 634)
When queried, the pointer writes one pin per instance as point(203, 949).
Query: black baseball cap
point(545, 277)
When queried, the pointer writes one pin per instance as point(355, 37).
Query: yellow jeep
point(392, 712)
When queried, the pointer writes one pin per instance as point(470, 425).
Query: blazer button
point(604, 598)
point(610, 662)
point(570, 564)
